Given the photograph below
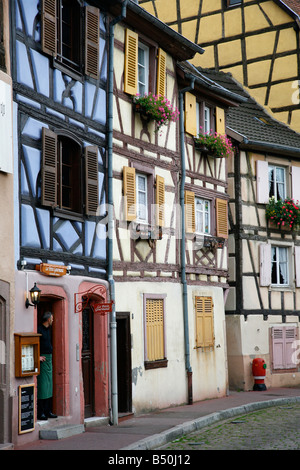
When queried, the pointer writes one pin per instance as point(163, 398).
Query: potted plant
point(283, 213)
point(157, 108)
point(214, 144)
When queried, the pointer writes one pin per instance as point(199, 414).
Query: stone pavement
point(153, 430)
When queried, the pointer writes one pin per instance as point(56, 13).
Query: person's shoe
point(52, 415)
point(42, 417)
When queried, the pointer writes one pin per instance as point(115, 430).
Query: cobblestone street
point(275, 428)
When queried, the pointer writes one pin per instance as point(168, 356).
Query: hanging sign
point(26, 408)
point(102, 308)
point(52, 269)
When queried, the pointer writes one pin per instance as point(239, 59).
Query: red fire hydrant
point(259, 372)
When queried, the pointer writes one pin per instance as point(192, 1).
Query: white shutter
point(265, 264)
point(297, 265)
point(296, 183)
point(262, 182)
point(278, 348)
point(290, 337)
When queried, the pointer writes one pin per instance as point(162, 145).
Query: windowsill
point(282, 288)
point(156, 364)
point(66, 70)
point(65, 214)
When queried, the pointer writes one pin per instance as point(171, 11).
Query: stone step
point(61, 432)
point(7, 446)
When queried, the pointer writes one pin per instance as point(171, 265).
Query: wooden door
point(87, 361)
point(124, 363)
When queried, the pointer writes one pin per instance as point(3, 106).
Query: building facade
point(257, 41)
point(59, 71)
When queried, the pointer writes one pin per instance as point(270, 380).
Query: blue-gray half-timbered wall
point(46, 97)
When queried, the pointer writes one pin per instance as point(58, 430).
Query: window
point(284, 341)
point(141, 198)
point(279, 266)
point(204, 322)
point(277, 186)
point(62, 174)
point(67, 40)
point(143, 69)
point(233, 2)
point(155, 348)
point(139, 65)
point(202, 207)
point(205, 118)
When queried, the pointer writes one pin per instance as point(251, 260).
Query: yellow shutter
point(189, 201)
point(129, 193)
point(222, 218)
point(220, 121)
point(155, 329)
point(190, 114)
point(161, 72)
point(131, 62)
point(204, 322)
point(160, 200)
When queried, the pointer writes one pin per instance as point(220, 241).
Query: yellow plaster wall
point(229, 52)
point(210, 28)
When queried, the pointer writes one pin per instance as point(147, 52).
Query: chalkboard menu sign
point(26, 408)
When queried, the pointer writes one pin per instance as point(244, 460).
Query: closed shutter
point(262, 182)
point(49, 168)
point(265, 264)
point(297, 265)
point(295, 184)
point(92, 32)
point(189, 201)
point(131, 62)
point(161, 72)
point(190, 114)
point(91, 180)
point(278, 348)
point(49, 29)
point(160, 200)
point(222, 218)
point(290, 338)
point(155, 329)
point(220, 121)
point(283, 349)
point(204, 322)
point(129, 193)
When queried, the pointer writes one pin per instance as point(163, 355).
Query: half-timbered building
point(7, 226)
point(263, 305)
point(256, 40)
point(59, 71)
point(170, 213)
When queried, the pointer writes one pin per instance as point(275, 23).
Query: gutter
point(113, 322)
point(182, 251)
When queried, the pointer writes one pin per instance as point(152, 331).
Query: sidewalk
point(155, 429)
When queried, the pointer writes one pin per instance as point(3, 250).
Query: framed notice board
point(26, 408)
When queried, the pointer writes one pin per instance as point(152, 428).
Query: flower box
point(283, 214)
point(213, 144)
point(155, 108)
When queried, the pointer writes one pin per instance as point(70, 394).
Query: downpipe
point(113, 321)
point(182, 251)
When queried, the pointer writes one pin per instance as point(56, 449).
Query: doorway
point(87, 362)
point(124, 363)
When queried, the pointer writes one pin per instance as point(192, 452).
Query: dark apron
point(45, 380)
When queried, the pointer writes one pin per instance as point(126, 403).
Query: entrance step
point(124, 416)
point(61, 432)
point(8, 446)
point(96, 421)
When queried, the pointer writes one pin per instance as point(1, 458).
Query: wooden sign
point(52, 269)
point(26, 408)
point(103, 308)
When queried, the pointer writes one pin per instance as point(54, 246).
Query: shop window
point(62, 174)
point(72, 44)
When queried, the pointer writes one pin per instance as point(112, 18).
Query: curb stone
point(158, 440)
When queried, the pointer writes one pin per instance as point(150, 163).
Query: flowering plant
point(283, 213)
point(157, 107)
point(218, 145)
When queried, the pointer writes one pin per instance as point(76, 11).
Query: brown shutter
point(91, 178)
point(49, 32)
point(92, 33)
point(131, 62)
point(190, 114)
point(222, 218)
point(189, 201)
point(204, 322)
point(49, 168)
point(129, 193)
point(160, 200)
point(161, 72)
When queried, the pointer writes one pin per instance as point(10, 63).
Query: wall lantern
point(35, 294)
